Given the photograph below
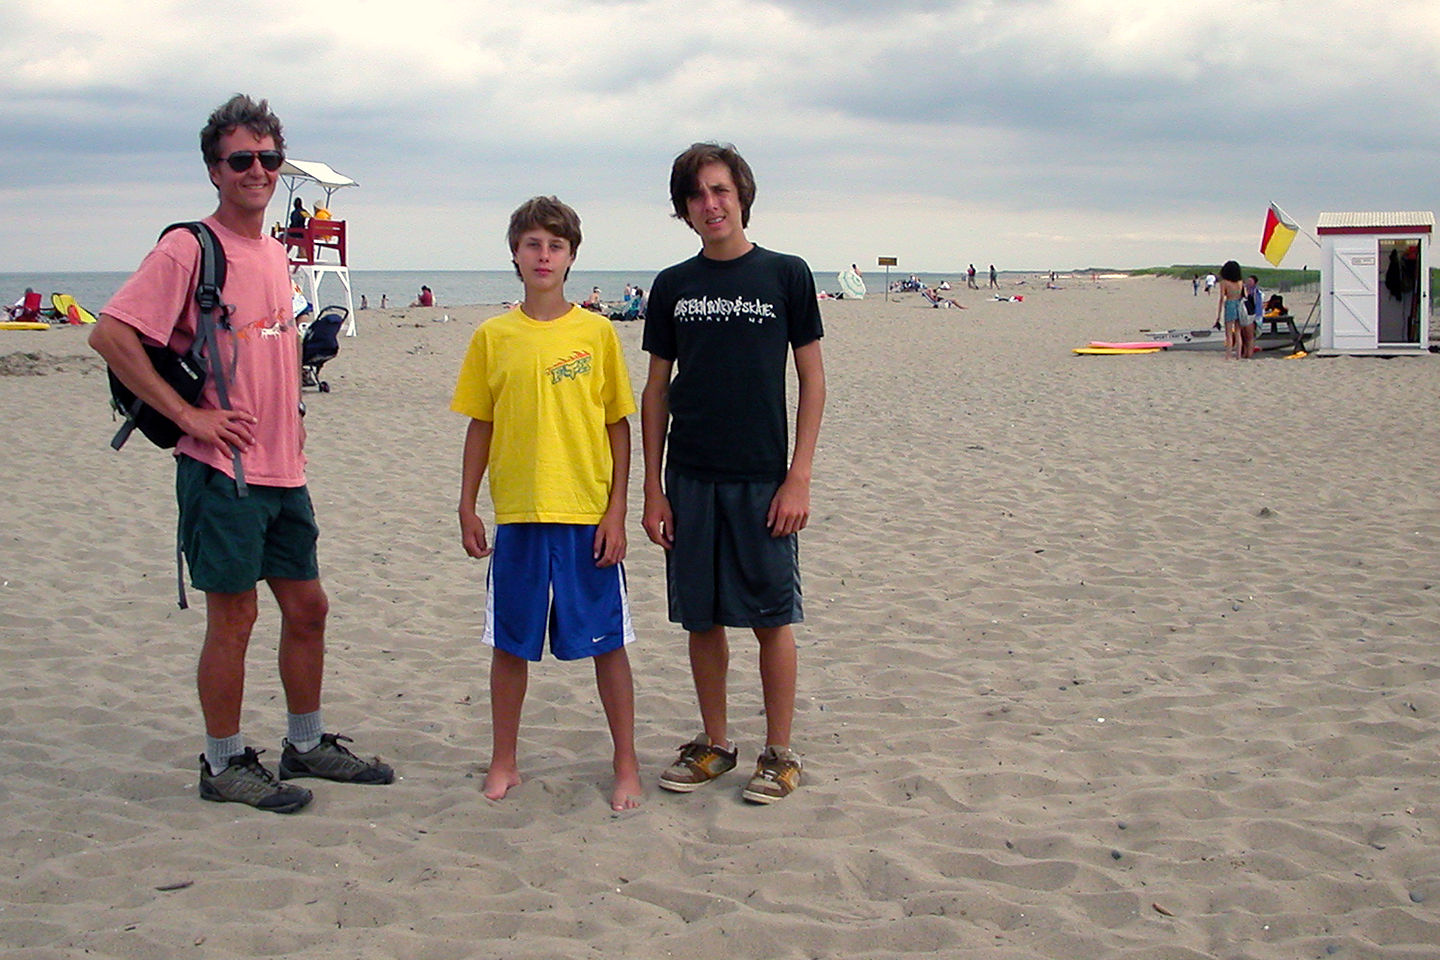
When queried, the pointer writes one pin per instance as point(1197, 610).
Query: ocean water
point(452, 288)
point(455, 288)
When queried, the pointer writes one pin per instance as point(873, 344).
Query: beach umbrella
point(851, 285)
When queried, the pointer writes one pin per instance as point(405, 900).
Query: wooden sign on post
point(887, 263)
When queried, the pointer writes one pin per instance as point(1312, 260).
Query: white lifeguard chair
point(1375, 283)
point(319, 251)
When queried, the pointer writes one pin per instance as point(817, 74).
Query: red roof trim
point(1414, 228)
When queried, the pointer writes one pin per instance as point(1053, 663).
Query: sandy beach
point(1105, 657)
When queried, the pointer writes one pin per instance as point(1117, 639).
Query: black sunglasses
point(241, 160)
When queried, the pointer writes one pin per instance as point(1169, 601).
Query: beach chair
point(935, 300)
point(320, 345)
point(306, 247)
point(26, 309)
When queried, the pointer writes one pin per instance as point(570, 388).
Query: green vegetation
point(1271, 278)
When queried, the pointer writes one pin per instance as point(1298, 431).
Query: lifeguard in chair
point(307, 245)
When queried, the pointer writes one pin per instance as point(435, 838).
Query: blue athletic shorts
point(543, 576)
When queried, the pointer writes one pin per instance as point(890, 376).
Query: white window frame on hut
point(1363, 308)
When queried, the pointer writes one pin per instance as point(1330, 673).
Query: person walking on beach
point(970, 278)
point(237, 531)
point(547, 394)
point(723, 503)
point(1230, 310)
point(994, 285)
point(1255, 314)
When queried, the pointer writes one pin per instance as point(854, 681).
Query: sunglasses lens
point(241, 160)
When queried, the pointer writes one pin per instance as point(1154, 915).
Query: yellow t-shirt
point(549, 388)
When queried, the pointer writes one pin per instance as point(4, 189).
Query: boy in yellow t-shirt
point(547, 394)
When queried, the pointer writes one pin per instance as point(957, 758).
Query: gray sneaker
point(777, 774)
point(331, 761)
point(245, 780)
point(699, 763)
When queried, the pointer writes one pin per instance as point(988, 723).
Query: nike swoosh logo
point(596, 639)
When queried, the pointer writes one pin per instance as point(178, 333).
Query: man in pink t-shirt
point(237, 531)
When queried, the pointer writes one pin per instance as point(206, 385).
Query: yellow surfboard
point(1113, 351)
point(23, 325)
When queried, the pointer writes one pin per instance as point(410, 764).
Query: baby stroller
point(320, 345)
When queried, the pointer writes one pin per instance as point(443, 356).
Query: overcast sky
point(1033, 134)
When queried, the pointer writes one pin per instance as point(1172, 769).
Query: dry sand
point(1106, 658)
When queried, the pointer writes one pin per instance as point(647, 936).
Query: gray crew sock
point(303, 730)
point(219, 750)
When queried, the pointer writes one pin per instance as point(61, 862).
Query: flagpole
point(1298, 228)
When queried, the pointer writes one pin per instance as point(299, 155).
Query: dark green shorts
point(232, 542)
point(725, 568)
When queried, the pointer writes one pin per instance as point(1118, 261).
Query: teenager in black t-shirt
point(726, 507)
point(730, 325)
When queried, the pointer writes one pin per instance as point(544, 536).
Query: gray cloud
point(1167, 124)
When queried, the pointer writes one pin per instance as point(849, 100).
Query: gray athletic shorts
point(725, 569)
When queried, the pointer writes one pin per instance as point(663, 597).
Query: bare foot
point(628, 793)
point(499, 780)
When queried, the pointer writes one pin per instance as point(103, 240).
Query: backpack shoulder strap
point(211, 279)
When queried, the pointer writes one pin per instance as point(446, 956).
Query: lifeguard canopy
point(295, 172)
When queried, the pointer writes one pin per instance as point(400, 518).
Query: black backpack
point(185, 372)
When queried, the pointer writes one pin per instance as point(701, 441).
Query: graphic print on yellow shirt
point(577, 364)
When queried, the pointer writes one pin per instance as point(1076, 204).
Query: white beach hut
point(1375, 282)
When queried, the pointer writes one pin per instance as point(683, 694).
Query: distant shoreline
point(457, 288)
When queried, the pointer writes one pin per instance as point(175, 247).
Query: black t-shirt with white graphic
point(729, 325)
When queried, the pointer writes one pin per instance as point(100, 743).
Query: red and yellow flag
point(1279, 232)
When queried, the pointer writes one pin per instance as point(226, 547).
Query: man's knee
point(310, 616)
point(303, 604)
point(231, 613)
point(229, 619)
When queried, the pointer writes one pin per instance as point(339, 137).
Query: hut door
point(1399, 294)
point(1357, 270)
